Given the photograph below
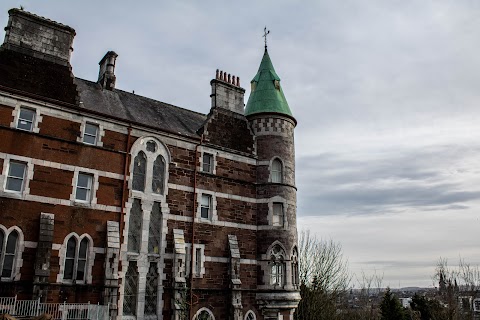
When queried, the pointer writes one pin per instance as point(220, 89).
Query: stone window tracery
point(277, 266)
point(250, 315)
point(76, 260)
point(8, 252)
point(203, 314)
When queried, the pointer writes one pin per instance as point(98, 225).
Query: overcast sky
point(386, 94)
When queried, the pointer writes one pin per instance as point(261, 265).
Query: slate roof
point(137, 109)
point(45, 80)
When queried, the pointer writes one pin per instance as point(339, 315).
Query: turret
point(273, 125)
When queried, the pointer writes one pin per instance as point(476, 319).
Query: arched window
point(250, 315)
point(131, 290)
point(204, 314)
point(8, 250)
point(139, 172)
point(276, 172)
point(277, 266)
point(158, 178)
point(295, 278)
point(151, 290)
point(135, 226)
point(155, 229)
point(76, 259)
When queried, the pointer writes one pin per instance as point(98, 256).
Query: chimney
point(227, 93)
point(106, 75)
point(38, 37)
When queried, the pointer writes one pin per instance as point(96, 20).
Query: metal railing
point(58, 311)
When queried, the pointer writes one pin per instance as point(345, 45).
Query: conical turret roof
point(267, 95)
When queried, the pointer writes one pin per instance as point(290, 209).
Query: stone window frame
point(16, 117)
point(88, 266)
point(271, 171)
point(141, 145)
point(93, 191)
point(282, 262)
point(252, 315)
point(18, 258)
point(294, 268)
point(203, 309)
point(283, 201)
point(28, 176)
point(188, 249)
point(213, 215)
point(100, 132)
point(205, 150)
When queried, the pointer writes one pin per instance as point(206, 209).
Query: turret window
point(276, 172)
point(277, 266)
point(278, 214)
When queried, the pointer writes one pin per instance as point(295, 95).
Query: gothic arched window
point(158, 178)
point(277, 172)
point(135, 226)
point(139, 172)
point(8, 250)
point(295, 278)
point(204, 314)
point(76, 259)
point(277, 266)
point(250, 315)
point(155, 229)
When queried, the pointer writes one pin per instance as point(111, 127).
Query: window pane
point(204, 213)
point(82, 194)
point(27, 114)
point(158, 175)
point(14, 184)
point(154, 229)
point(135, 227)
point(151, 146)
point(82, 253)
point(17, 170)
point(89, 139)
point(7, 266)
point(131, 290)
point(71, 248)
point(12, 243)
point(84, 180)
point(151, 291)
point(91, 129)
point(206, 200)
point(276, 171)
point(207, 162)
point(81, 270)
point(68, 273)
point(139, 166)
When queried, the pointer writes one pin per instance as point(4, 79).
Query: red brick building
point(103, 192)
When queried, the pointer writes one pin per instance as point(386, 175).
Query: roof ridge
point(144, 97)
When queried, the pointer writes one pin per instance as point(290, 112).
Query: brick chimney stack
point(106, 75)
point(227, 93)
point(38, 37)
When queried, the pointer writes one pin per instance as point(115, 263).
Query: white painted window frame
point(28, 175)
point(93, 189)
point(283, 201)
point(213, 215)
point(213, 167)
point(100, 132)
point(16, 117)
point(17, 260)
point(272, 171)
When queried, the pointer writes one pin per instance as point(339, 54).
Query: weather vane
point(265, 33)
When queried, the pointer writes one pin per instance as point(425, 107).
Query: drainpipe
point(192, 250)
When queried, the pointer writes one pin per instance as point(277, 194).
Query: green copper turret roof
point(267, 95)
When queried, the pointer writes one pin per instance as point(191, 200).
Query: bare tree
point(324, 277)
